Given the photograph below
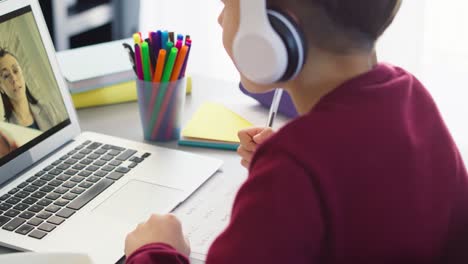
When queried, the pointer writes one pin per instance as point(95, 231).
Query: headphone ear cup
point(260, 54)
point(268, 46)
point(293, 39)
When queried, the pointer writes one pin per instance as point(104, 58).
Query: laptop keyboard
point(50, 197)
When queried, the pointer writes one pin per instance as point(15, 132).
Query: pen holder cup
point(161, 106)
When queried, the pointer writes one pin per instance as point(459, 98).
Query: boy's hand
point(6, 145)
point(249, 140)
point(159, 228)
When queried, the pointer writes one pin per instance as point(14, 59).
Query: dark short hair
point(341, 26)
point(7, 105)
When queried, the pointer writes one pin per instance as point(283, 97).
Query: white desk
point(217, 193)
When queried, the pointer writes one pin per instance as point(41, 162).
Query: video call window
point(31, 106)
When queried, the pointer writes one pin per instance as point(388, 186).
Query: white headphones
point(268, 47)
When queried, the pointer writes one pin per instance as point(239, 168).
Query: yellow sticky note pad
point(214, 121)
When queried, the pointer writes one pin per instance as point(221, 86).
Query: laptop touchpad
point(137, 200)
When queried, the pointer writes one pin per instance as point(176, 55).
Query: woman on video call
point(21, 107)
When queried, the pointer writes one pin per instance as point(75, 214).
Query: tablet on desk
point(21, 135)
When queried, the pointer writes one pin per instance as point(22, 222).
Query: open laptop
point(66, 191)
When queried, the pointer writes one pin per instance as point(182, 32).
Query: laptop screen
point(31, 105)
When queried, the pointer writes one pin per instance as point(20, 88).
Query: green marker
point(162, 90)
point(169, 65)
point(146, 61)
point(169, 45)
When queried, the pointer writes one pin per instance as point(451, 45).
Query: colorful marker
point(155, 45)
point(171, 37)
point(169, 65)
point(159, 66)
point(138, 62)
point(184, 68)
point(152, 56)
point(146, 61)
point(168, 97)
point(136, 38)
point(179, 44)
point(162, 93)
point(181, 58)
point(157, 79)
point(169, 46)
point(164, 39)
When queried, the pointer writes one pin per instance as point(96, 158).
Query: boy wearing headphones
point(367, 174)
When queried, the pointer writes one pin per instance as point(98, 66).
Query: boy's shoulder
point(295, 137)
point(365, 109)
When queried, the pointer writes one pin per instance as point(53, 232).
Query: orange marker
point(159, 66)
point(179, 63)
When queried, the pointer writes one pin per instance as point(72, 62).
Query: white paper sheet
point(206, 214)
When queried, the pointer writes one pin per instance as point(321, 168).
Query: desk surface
point(110, 119)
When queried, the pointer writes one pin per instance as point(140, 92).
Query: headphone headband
point(253, 13)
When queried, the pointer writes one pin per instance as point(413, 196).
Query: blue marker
point(164, 39)
point(180, 37)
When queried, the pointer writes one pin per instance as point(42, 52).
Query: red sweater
point(370, 175)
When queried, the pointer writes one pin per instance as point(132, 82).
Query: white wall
point(447, 34)
point(402, 44)
point(445, 63)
